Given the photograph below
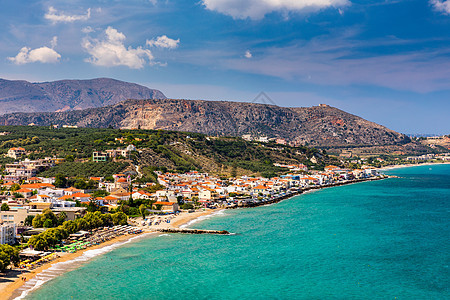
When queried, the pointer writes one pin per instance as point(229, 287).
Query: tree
point(70, 226)
point(143, 210)
point(5, 207)
point(92, 205)
point(48, 223)
point(107, 219)
point(18, 195)
point(14, 187)
point(93, 219)
point(37, 221)
point(8, 255)
point(187, 206)
point(119, 218)
point(49, 215)
point(82, 224)
point(180, 200)
point(62, 216)
point(38, 242)
point(60, 181)
point(80, 184)
point(28, 220)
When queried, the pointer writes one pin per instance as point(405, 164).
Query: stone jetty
point(192, 231)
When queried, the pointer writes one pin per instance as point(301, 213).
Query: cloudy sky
point(387, 61)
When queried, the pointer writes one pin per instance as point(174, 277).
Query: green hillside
point(159, 150)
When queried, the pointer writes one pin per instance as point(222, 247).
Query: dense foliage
point(91, 220)
point(86, 169)
point(48, 219)
point(8, 255)
point(163, 150)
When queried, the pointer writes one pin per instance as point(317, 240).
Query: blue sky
point(387, 61)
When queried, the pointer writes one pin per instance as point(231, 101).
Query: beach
point(11, 285)
point(393, 167)
point(377, 240)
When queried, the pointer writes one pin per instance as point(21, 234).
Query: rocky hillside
point(316, 126)
point(64, 95)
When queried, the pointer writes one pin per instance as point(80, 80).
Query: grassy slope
point(166, 150)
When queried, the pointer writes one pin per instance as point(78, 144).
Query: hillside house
point(16, 152)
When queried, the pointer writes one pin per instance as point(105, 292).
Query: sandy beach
point(411, 165)
point(11, 283)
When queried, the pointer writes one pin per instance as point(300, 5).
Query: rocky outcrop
point(315, 126)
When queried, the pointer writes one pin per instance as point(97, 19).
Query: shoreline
point(71, 261)
point(393, 167)
point(12, 289)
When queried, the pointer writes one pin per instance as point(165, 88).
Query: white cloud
point(441, 6)
point(257, 9)
point(337, 60)
point(111, 51)
point(55, 16)
point(54, 42)
point(87, 29)
point(163, 42)
point(248, 54)
point(43, 55)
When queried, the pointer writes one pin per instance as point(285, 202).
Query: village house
point(98, 156)
point(16, 152)
point(167, 206)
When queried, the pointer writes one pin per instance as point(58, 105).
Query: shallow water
point(375, 240)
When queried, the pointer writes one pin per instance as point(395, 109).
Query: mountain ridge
point(317, 126)
point(69, 94)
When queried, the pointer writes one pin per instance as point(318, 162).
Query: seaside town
point(47, 219)
point(33, 205)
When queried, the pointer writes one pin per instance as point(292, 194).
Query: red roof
point(260, 187)
point(165, 203)
point(80, 195)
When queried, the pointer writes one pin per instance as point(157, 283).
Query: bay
point(385, 239)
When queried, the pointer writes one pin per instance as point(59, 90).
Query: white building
point(16, 152)
point(8, 233)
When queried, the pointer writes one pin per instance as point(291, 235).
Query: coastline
point(393, 167)
point(14, 289)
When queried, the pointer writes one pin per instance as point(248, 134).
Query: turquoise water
point(387, 239)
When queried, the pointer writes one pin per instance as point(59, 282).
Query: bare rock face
point(66, 95)
point(315, 126)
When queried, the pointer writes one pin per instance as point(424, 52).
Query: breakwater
point(192, 231)
point(251, 202)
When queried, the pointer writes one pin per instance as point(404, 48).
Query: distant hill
point(316, 126)
point(64, 95)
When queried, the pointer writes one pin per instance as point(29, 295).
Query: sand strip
point(13, 287)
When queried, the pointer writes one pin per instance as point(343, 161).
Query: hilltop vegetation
point(159, 150)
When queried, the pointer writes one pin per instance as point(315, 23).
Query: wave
point(65, 266)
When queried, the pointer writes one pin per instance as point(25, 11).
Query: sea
point(386, 239)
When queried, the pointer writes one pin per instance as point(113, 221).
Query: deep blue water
point(386, 239)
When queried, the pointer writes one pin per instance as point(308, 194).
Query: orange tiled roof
point(165, 203)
